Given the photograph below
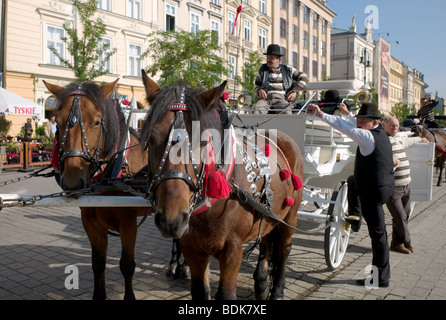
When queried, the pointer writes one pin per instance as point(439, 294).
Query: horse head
point(173, 133)
point(87, 130)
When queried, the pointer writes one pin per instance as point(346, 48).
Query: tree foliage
point(188, 57)
point(89, 54)
point(401, 111)
point(249, 71)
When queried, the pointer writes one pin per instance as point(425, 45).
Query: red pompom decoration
point(267, 150)
point(225, 96)
point(289, 201)
point(284, 174)
point(297, 183)
point(217, 187)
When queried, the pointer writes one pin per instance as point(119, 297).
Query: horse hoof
point(184, 273)
point(170, 272)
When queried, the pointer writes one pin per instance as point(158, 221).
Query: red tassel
point(289, 201)
point(297, 183)
point(217, 187)
point(267, 150)
point(284, 174)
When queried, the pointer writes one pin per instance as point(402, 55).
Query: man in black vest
point(373, 177)
point(277, 84)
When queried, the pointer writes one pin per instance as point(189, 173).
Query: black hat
point(273, 49)
point(332, 96)
point(369, 110)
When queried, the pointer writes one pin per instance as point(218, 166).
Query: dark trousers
point(399, 207)
point(368, 203)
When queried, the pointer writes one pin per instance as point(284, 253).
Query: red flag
point(239, 9)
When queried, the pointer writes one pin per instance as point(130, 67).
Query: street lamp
point(366, 64)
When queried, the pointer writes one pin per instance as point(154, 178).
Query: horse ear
point(152, 88)
point(53, 88)
point(210, 97)
point(107, 89)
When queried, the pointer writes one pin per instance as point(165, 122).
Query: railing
point(29, 155)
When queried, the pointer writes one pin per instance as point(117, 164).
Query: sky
point(418, 26)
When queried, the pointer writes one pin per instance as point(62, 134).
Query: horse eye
point(97, 123)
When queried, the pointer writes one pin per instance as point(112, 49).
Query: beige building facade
point(301, 28)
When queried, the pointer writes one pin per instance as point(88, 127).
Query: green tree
point(401, 111)
point(249, 71)
point(188, 57)
point(88, 52)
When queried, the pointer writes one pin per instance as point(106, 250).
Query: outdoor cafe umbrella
point(11, 103)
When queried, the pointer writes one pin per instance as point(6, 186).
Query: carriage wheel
point(338, 231)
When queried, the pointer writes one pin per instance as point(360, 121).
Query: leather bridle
point(74, 118)
point(154, 180)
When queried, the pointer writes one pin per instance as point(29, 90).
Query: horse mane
point(95, 94)
point(169, 95)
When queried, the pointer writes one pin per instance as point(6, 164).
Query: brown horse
point(183, 169)
point(438, 136)
point(89, 136)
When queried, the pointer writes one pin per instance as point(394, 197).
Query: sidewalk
point(38, 244)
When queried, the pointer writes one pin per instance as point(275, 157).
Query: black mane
point(170, 95)
point(96, 96)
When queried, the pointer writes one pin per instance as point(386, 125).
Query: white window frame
point(108, 65)
point(216, 26)
point(104, 4)
point(231, 20)
point(262, 38)
point(170, 10)
point(134, 9)
point(262, 6)
point(247, 30)
point(134, 62)
point(231, 67)
point(195, 22)
point(50, 57)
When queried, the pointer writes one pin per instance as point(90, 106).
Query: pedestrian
point(277, 84)
point(373, 176)
point(399, 202)
point(426, 113)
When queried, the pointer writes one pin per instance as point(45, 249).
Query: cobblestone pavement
point(38, 244)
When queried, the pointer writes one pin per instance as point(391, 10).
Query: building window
point(305, 64)
point(134, 9)
point(54, 40)
point(294, 33)
point(282, 27)
point(231, 65)
point(171, 16)
point(231, 19)
point(215, 29)
point(323, 26)
point(284, 55)
point(295, 8)
point(262, 38)
point(283, 4)
point(247, 30)
point(107, 65)
point(314, 44)
point(306, 14)
point(323, 49)
point(305, 40)
point(103, 4)
point(262, 6)
point(315, 19)
point(134, 60)
point(216, 2)
point(194, 22)
point(315, 73)
point(294, 59)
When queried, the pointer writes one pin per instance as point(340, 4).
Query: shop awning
point(11, 103)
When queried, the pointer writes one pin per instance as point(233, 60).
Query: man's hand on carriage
point(291, 96)
point(343, 108)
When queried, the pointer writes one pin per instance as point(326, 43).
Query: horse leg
point(176, 269)
point(440, 175)
point(199, 268)
point(261, 273)
point(127, 228)
point(281, 250)
point(230, 259)
point(98, 240)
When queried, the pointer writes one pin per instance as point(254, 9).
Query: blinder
point(154, 181)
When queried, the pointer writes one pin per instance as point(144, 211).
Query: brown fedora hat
point(369, 110)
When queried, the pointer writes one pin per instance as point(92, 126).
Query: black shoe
point(382, 284)
point(355, 222)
